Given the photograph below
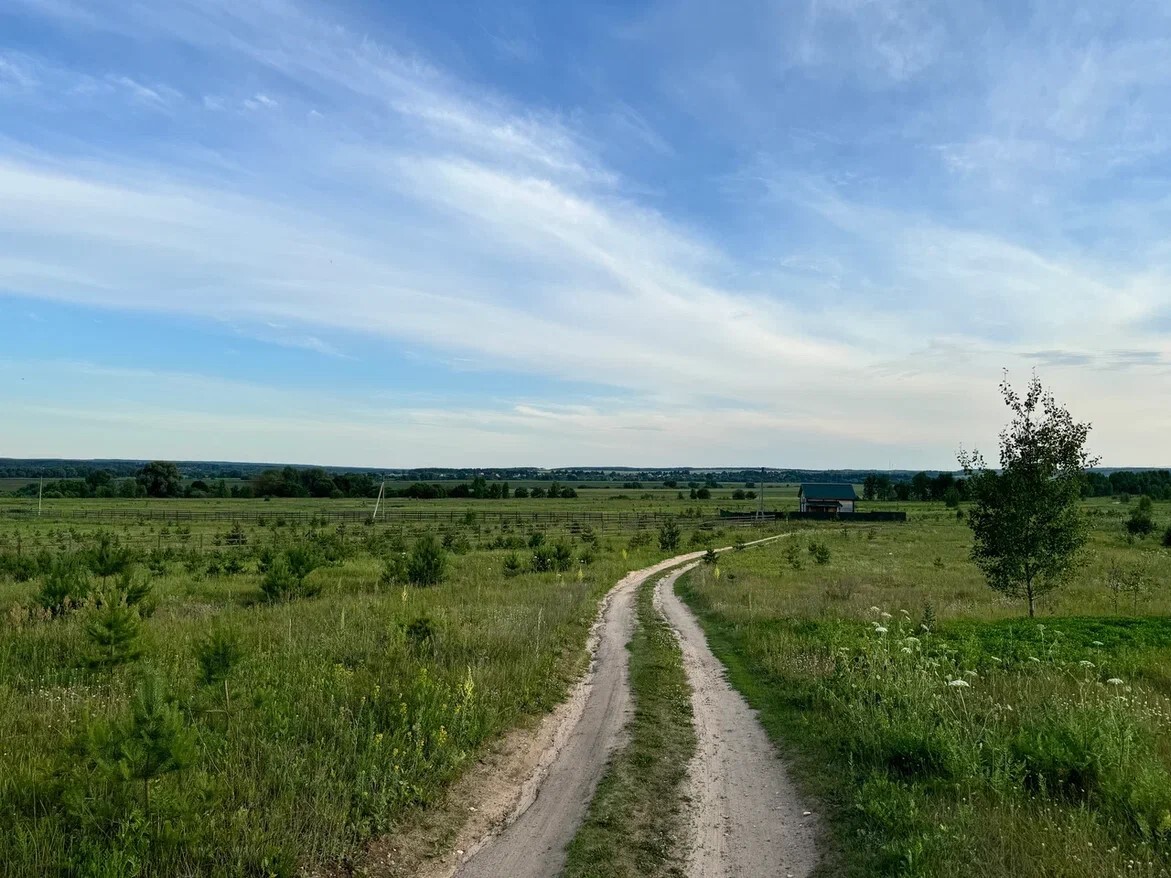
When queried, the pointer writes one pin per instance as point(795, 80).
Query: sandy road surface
point(533, 845)
point(529, 840)
point(747, 820)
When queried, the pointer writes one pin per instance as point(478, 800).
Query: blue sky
point(806, 233)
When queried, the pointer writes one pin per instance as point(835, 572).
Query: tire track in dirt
point(533, 844)
point(521, 828)
point(747, 818)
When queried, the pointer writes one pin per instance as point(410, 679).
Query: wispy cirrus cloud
point(802, 250)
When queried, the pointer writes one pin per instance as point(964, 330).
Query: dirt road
point(747, 819)
point(533, 846)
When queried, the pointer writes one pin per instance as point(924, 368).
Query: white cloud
point(420, 210)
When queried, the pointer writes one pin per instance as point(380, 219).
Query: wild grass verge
point(963, 747)
point(255, 738)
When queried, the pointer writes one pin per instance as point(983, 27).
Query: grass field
point(599, 495)
point(947, 734)
point(231, 735)
point(240, 736)
point(202, 525)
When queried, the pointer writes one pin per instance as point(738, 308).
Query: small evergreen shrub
point(820, 553)
point(541, 560)
point(512, 566)
point(639, 539)
point(217, 653)
point(109, 557)
point(113, 635)
point(669, 535)
point(793, 554)
point(561, 557)
point(279, 583)
point(427, 564)
point(66, 586)
point(109, 757)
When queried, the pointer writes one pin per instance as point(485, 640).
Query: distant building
point(832, 499)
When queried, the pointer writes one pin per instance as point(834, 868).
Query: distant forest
point(124, 478)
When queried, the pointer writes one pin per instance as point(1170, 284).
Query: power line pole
point(378, 502)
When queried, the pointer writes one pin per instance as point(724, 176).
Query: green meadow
point(945, 733)
point(272, 702)
point(265, 695)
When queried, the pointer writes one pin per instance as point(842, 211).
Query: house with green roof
point(827, 498)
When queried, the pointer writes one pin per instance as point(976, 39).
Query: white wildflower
point(1113, 681)
point(886, 615)
point(1097, 643)
point(971, 674)
point(908, 650)
point(1086, 664)
point(878, 629)
point(876, 609)
point(958, 684)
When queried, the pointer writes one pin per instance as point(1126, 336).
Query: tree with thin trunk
point(1026, 518)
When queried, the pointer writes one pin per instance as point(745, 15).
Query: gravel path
point(747, 819)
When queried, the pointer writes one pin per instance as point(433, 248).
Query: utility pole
point(40, 491)
point(760, 505)
point(378, 502)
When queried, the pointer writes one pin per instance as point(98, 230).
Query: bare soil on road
point(528, 796)
point(747, 819)
point(590, 726)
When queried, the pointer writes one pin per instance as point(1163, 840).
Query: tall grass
point(948, 736)
point(343, 714)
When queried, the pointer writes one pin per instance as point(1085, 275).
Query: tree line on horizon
point(162, 479)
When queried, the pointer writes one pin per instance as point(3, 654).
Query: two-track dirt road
point(746, 820)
